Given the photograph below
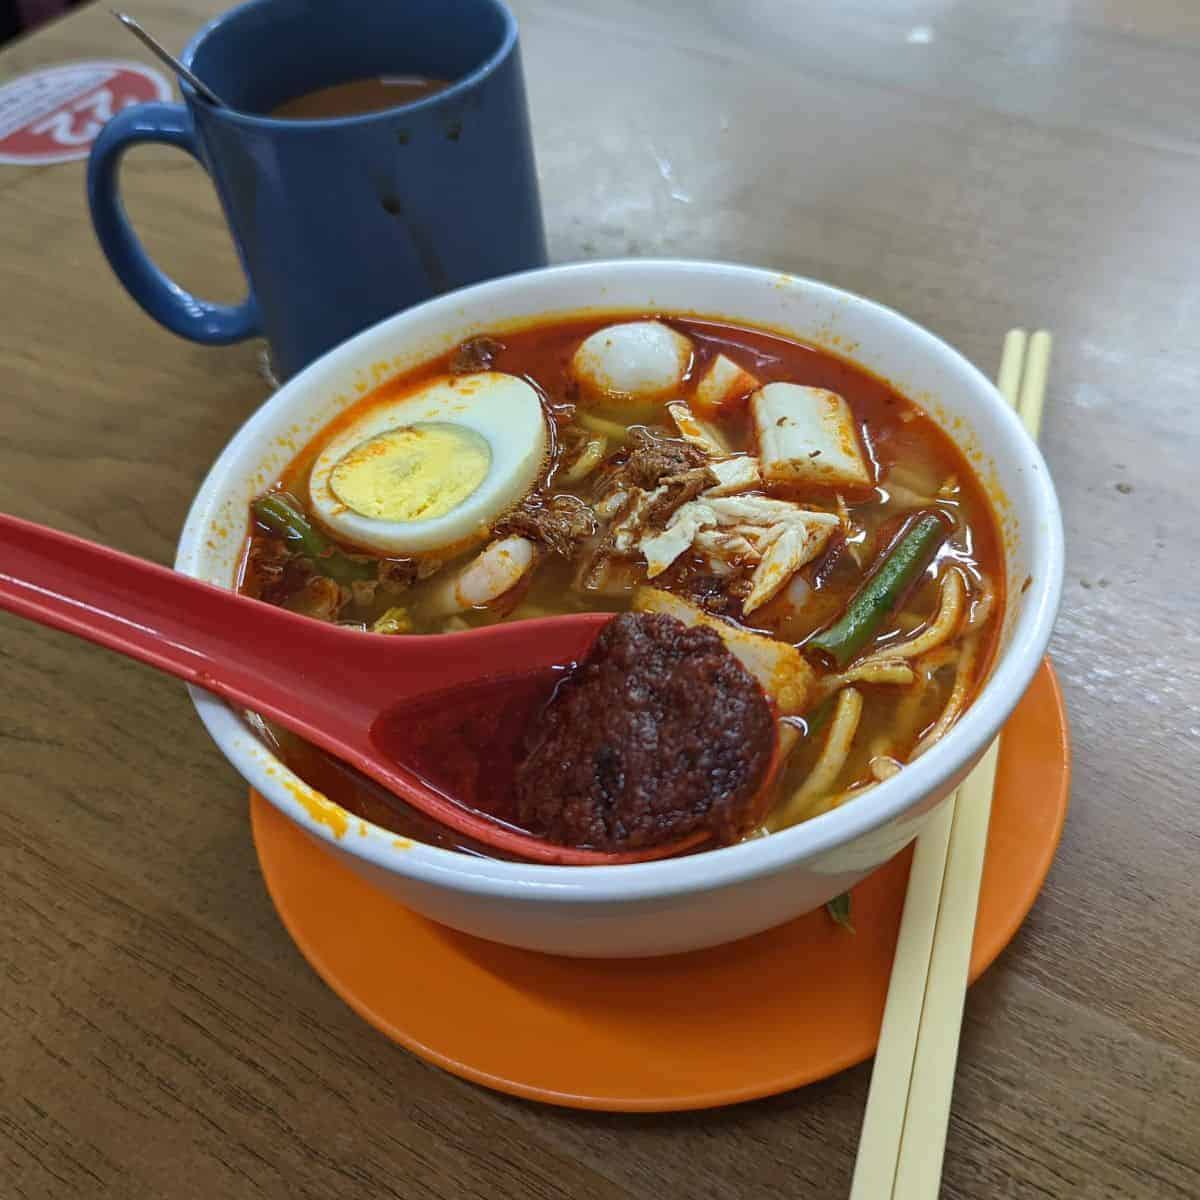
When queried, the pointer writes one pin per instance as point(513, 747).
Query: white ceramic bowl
point(715, 897)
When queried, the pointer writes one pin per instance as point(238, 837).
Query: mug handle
point(161, 297)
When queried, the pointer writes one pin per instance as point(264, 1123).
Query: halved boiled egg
point(434, 468)
point(634, 364)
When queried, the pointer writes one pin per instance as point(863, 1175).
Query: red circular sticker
point(53, 115)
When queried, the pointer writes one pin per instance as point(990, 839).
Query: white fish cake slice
point(807, 435)
point(721, 384)
point(635, 364)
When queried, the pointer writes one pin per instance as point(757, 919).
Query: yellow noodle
point(881, 744)
point(868, 671)
point(587, 460)
point(788, 734)
point(904, 721)
point(602, 426)
point(527, 611)
point(902, 497)
point(828, 803)
point(828, 766)
point(916, 477)
point(941, 629)
point(957, 701)
point(848, 528)
point(935, 660)
point(884, 766)
point(981, 606)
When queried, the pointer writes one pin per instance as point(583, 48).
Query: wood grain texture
point(977, 165)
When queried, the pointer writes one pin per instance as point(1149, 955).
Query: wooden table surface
point(977, 165)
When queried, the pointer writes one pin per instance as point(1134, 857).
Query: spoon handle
point(323, 682)
point(251, 653)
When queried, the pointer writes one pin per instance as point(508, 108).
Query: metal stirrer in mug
point(157, 49)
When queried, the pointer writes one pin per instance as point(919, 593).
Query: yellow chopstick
point(923, 1142)
point(904, 1127)
point(1033, 388)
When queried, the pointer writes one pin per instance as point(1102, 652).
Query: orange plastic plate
point(760, 1016)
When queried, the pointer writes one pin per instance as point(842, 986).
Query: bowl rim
point(713, 869)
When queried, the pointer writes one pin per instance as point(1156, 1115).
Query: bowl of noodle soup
point(845, 500)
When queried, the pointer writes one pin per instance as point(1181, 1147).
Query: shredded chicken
point(269, 557)
point(631, 520)
point(397, 574)
point(651, 459)
point(320, 597)
point(560, 523)
point(617, 541)
point(777, 535)
point(475, 354)
point(725, 549)
point(658, 476)
point(676, 490)
point(610, 504)
point(788, 551)
point(713, 591)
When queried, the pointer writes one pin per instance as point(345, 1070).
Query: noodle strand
point(828, 766)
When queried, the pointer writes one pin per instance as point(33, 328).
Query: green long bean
point(280, 517)
point(839, 911)
point(866, 611)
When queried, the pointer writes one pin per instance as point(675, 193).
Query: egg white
point(503, 410)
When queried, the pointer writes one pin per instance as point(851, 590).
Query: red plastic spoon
point(327, 684)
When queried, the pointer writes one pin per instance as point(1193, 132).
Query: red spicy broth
point(915, 466)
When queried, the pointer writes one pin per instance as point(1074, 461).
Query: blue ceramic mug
point(339, 222)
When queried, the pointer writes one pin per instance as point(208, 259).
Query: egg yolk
point(414, 473)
